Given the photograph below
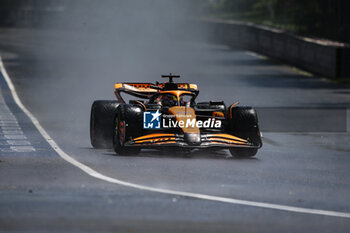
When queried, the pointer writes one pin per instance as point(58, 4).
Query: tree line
point(316, 18)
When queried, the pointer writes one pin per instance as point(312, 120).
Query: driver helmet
point(169, 100)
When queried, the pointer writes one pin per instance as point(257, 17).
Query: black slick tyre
point(101, 123)
point(244, 124)
point(126, 124)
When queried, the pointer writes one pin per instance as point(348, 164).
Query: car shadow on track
point(197, 154)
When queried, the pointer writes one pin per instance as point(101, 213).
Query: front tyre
point(101, 123)
point(120, 133)
point(244, 124)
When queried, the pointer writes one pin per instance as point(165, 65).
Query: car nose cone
point(192, 138)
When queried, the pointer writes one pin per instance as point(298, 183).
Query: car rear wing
point(146, 90)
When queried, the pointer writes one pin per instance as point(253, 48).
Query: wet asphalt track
point(40, 192)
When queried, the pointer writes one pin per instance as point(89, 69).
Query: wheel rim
point(117, 132)
point(121, 132)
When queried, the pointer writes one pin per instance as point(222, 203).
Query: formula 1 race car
point(165, 115)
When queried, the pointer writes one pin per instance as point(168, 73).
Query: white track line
point(100, 176)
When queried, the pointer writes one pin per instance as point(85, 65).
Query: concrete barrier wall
point(310, 55)
point(327, 60)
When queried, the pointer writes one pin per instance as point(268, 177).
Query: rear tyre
point(126, 125)
point(101, 123)
point(217, 105)
point(244, 124)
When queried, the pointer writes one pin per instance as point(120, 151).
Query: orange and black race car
point(166, 115)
